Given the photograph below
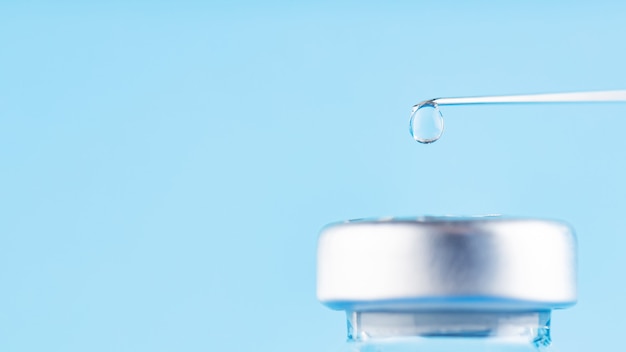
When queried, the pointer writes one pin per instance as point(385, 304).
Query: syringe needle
point(603, 96)
point(426, 124)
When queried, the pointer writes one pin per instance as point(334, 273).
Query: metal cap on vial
point(435, 263)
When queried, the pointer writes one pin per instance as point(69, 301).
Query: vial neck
point(519, 327)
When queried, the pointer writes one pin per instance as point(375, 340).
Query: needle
point(603, 96)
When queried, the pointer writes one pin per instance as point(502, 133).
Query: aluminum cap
point(447, 263)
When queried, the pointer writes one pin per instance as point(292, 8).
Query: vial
point(446, 283)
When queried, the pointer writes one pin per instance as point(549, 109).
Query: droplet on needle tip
point(426, 124)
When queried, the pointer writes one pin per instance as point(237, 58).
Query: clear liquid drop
point(426, 124)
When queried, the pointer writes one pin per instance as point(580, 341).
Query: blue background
point(165, 167)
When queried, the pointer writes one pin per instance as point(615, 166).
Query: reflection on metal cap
point(447, 263)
